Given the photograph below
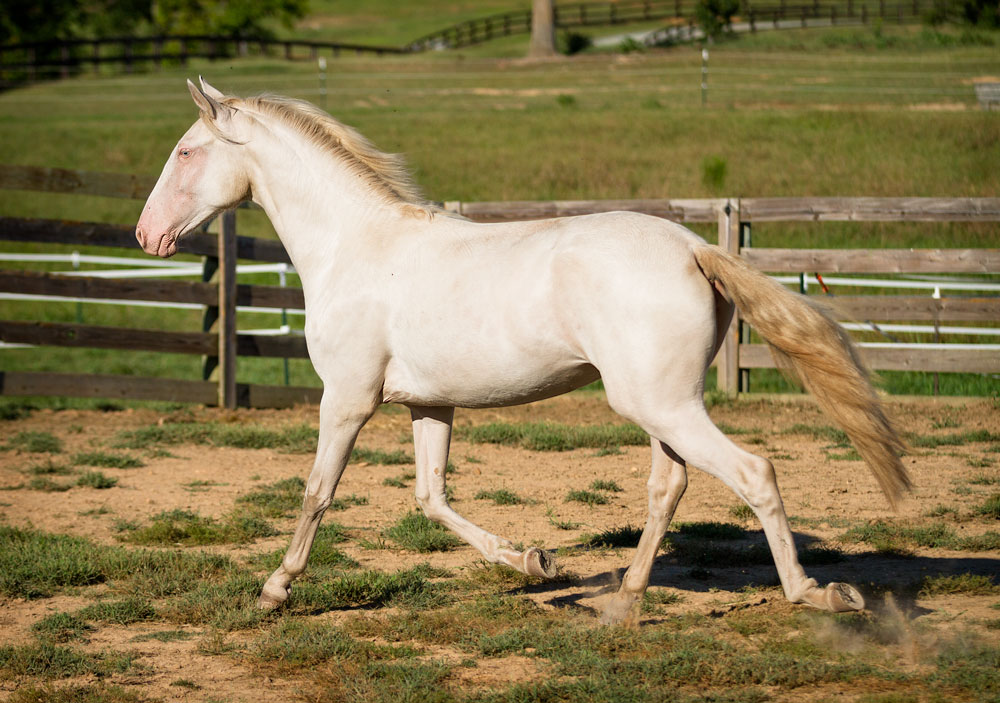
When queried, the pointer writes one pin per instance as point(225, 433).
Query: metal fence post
point(727, 368)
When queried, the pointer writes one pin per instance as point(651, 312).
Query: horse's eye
point(184, 153)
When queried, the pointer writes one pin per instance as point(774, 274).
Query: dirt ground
point(820, 493)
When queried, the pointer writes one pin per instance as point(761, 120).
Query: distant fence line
point(220, 295)
point(33, 60)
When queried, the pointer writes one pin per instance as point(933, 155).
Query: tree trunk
point(543, 30)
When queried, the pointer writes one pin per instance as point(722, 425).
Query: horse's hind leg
point(431, 438)
point(688, 430)
point(666, 485)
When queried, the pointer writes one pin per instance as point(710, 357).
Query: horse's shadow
point(874, 574)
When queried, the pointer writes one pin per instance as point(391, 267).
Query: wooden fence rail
point(221, 345)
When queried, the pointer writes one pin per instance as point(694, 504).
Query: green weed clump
point(120, 612)
point(36, 443)
point(952, 584)
point(37, 564)
point(279, 499)
point(838, 438)
point(415, 532)
point(61, 627)
point(887, 536)
point(95, 479)
point(295, 439)
point(501, 496)
point(990, 507)
point(296, 642)
point(186, 528)
point(107, 460)
point(554, 437)
point(378, 456)
point(590, 498)
point(952, 440)
point(368, 589)
point(52, 661)
point(608, 486)
point(623, 537)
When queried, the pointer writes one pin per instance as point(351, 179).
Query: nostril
point(140, 236)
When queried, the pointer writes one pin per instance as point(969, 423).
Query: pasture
point(140, 586)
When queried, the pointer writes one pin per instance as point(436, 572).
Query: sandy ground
point(819, 492)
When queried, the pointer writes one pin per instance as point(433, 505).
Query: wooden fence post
point(727, 368)
point(227, 310)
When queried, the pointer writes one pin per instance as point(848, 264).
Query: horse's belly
point(486, 386)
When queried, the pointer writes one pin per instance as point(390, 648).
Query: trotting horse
point(408, 304)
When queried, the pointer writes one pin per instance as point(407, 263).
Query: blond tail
point(805, 340)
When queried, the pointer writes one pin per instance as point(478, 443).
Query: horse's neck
point(314, 203)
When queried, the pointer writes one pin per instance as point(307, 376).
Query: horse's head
point(205, 174)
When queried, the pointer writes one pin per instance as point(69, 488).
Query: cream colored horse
point(407, 304)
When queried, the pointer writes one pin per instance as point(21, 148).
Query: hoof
point(843, 598)
point(621, 611)
point(539, 563)
point(271, 599)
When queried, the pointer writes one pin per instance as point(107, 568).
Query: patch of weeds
point(368, 589)
point(294, 439)
point(501, 496)
point(323, 553)
point(107, 460)
point(974, 666)
point(609, 451)
point(226, 605)
point(742, 512)
point(103, 510)
point(817, 556)
point(953, 584)
point(565, 100)
point(587, 498)
point(164, 636)
point(187, 528)
point(16, 410)
point(980, 463)
point(821, 432)
point(887, 536)
point(185, 683)
point(561, 524)
point(52, 661)
point(990, 508)
point(95, 479)
point(373, 544)
point(296, 642)
point(61, 627)
point(378, 456)
point(615, 538)
point(347, 502)
point(952, 440)
point(88, 693)
point(415, 532)
point(279, 499)
point(200, 486)
point(985, 480)
point(554, 437)
point(36, 565)
point(849, 455)
point(497, 578)
point(394, 482)
point(609, 486)
point(44, 483)
point(36, 443)
point(48, 468)
point(653, 600)
point(942, 511)
point(120, 612)
point(391, 682)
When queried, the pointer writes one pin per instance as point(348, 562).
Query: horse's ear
point(205, 103)
point(210, 90)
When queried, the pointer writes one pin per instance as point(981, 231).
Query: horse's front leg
point(339, 424)
point(431, 439)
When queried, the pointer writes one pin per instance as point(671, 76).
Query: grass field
point(860, 111)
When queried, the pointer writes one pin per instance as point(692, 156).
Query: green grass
point(378, 456)
point(602, 485)
point(415, 532)
point(613, 538)
point(886, 536)
point(952, 440)
point(119, 612)
point(95, 479)
point(298, 439)
point(501, 496)
point(48, 468)
point(50, 661)
point(990, 508)
point(62, 627)
point(590, 498)
point(107, 460)
point(965, 584)
point(553, 437)
point(35, 442)
point(183, 527)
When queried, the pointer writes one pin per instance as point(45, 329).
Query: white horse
point(408, 304)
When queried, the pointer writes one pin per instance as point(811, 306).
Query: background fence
point(33, 60)
point(220, 296)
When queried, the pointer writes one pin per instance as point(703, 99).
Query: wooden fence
point(219, 292)
point(33, 60)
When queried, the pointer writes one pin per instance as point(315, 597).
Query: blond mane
point(386, 174)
